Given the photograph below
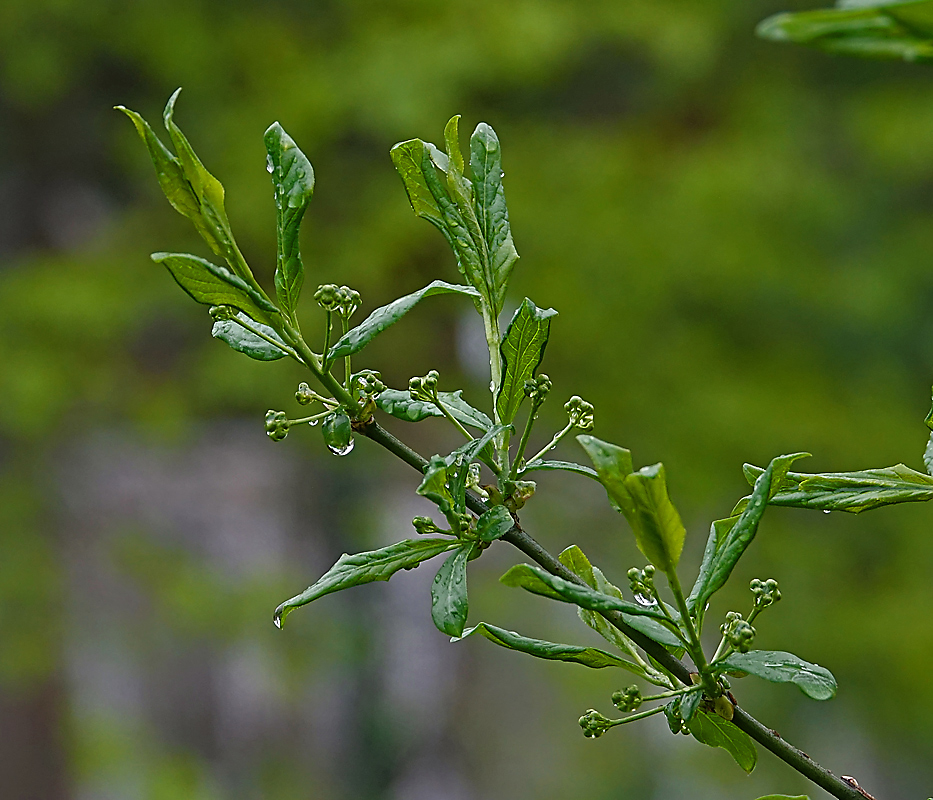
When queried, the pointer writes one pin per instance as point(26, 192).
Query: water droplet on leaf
point(314, 422)
point(269, 165)
point(827, 511)
point(644, 600)
point(342, 451)
point(277, 620)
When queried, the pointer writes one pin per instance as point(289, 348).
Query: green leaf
point(293, 179)
point(813, 680)
point(717, 533)
point(245, 341)
point(357, 338)
point(928, 455)
point(659, 533)
point(459, 460)
point(587, 656)
point(741, 534)
point(568, 466)
point(713, 730)
point(434, 485)
point(449, 601)
point(576, 561)
point(850, 491)
point(613, 465)
point(399, 404)
point(784, 797)
point(672, 712)
point(539, 581)
point(884, 30)
point(689, 705)
point(215, 286)
point(337, 432)
point(491, 210)
point(522, 350)
point(494, 524)
point(374, 565)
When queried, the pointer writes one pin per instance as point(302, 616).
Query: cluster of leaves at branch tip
point(471, 214)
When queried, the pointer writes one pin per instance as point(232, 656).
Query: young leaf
point(743, 531)
point(713, 730)
point(587, 656)
point(374, 565)
point(717, 535)
point(672, 712)
point(689, 705)
point(813, 680)
point(449, 601)
point(337, 432)
point(522, 350)
point(491, 209)
point(613, 465)
point(458, 463)
point(539, 581)
point(293, 179)
point(659, 533)
point(245, 341)
point(215, 286)
point(494, 524)
point(850, 491)
point(399, 404)
point(567, 466)
point(434, 485)
point(576, 561)
point(357, 338)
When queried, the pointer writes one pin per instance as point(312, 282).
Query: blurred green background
point(738, 238)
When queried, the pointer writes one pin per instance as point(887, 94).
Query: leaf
point(851, 491)
point(672, 712)
point(587, 656)
point(293, 179)
point(689, 705)
point(491, 209)
point(576, 561)
point(245, 341)
point(885, 30)
point(494, 524)
point(813, 680)
point(613, 465)
point(522, 350)
point(741, 534)
point(449, 601)
point(215, 286)
point(461, 458)
point(357, 338)
point(659, 533)
point(928, 455)
point(717, 533)
point(713, 730)
point(399, 404)
point(784, 797)
point(568, 466)
point(337, 432)
point(434, 485)
point(539, 581)
point(373, 565)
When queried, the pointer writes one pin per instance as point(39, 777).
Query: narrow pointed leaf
point(587, 656)
point(713, 730)
point(741, 534)
point(853, 492)
point(357, 338)
point(360, 568)
point(247, 342)
point(813, 680)
point(522, 350)
point(293, 179)
point(449, 602)
point(717, 536)
point(491, 209)
point(399, 404)
point(659, 533)
point(494, 524)
point(567, 466)
point(213, 285)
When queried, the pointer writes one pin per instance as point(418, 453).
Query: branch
point(840, 788)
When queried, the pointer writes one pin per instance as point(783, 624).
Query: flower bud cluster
point(474, 475)
point(424, 388)
point(738, 632)
point(276, 425)
point(340, 299)
point(369, 383)
point(766, 592)
point(628, 699)
point(580, 413)
point(221, 313)
point(305, 394)
point(537, 388)
point(642, 584)
point(594, 724)
point(425, 525)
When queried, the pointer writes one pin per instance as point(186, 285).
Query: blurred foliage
point(751, 222)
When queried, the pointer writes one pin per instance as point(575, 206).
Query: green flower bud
point(766, 592)
point(369, 383)
point(305, 395)
point(221, 313)
point(464, 522)
point(580, 413)
point(425, 525)
point(326, 296)
point(738, 632)
point(628, 699)
point(276, 425)
point(594, 724)
point(537, 388)
point(347, 301)
point(641, 582)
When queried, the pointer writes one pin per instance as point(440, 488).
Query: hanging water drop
point(644, 600)
point(314, 422)
point(342, 451)
point(269, 165)
point(827, 511)
point(277, 619)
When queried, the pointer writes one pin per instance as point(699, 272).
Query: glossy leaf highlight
point(713, 730)
point(522, 350)
point(813, 680)
point(449, 602)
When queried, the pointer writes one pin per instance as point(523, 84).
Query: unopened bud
point(326, 296)
point(424, 525)
point(580, 413)
point(594, 724)
point(628, 699)
point(305, 395)
point(276, 425)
